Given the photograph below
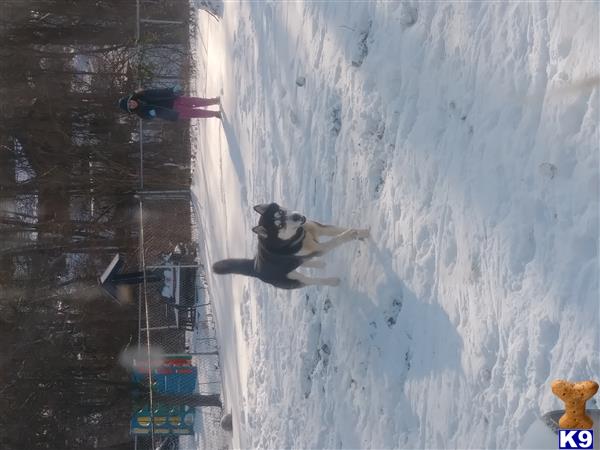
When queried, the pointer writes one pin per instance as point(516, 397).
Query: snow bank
point(466, 136)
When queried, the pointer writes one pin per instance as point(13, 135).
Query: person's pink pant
point(189, 107)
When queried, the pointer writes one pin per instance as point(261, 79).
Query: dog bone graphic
point(574, 395)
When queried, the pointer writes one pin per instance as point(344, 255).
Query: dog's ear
point(260, 230)
point(261, 209)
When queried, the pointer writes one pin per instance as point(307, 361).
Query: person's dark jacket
point(153, 103)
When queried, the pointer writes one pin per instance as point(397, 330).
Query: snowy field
point(465, 135)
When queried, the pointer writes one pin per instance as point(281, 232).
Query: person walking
point(168, 104)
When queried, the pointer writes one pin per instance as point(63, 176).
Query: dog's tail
point(235, 265)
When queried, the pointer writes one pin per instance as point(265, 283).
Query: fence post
point(174, 22)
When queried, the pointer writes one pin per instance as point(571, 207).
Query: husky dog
point(287, 241)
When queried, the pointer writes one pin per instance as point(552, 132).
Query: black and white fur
point(287, 241)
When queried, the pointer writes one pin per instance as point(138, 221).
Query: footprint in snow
point(408, 15)
point(361, 51)
point(392, 315)
point(336, 120)
point(548, 170)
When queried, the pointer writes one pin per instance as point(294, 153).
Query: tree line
point(69, 170)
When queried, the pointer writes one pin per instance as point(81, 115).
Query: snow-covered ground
point(465, 135)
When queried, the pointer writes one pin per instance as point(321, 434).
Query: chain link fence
point(176, 372)
point(177, 349)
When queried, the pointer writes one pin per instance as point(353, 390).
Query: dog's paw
point(334, 281)
point(316, 264)
point(361, 234)
point(351, 234)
